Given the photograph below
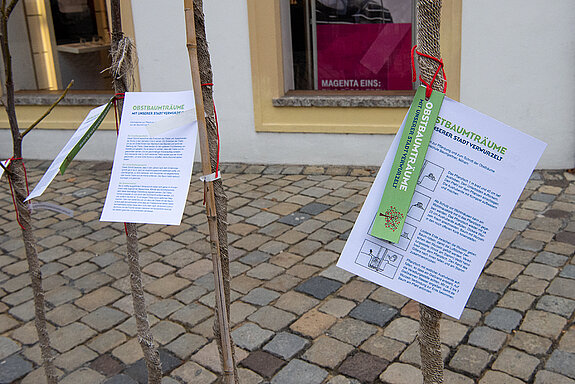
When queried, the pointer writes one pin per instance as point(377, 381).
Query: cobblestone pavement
point(296, 317)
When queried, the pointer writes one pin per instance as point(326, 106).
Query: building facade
point(302, 81)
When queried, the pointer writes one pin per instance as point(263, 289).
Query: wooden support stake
point(221, 307)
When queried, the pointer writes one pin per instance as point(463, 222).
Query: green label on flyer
point(407, 165)
point(89, 132)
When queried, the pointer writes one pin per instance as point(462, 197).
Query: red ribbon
point(12, 190)
point(428, 87)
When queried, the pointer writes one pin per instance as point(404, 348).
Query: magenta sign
point(364, 56)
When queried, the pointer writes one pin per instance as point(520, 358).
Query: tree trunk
point(217, 220)
point(18, 182)
point(428, 22)
point(120, 77)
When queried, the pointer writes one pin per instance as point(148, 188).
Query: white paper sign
point(55, 166)
point(153, 160)
point(474, 172)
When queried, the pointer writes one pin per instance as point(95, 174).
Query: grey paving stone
point(139, 372)
point(516, 363)
point(520, 301)
point(470, 359)
point(120, 379)
point(482, 300)
point(528, 244)
point(551, 259)
point(530, 343)
point(66, 338)
point(314, 208)
point(272, 318)
point(562, 287)
point(255, 257)
point(517, 224)
point(562, 362)
point(7, 347)
point(262, 219)
point(374, 313)
point(13, 368)
point(164, 308)
point(335, 273)
point(503, 319)
point(351, 331)
point(104, 318)
point(286, 345)
point(83, 376)
point(105, 259)
point(540, 271)
point(555, 304)
point(206, 281)
point(273, 170)
point(547, 377)
point(399, 373)
point(260, 296)
point(295, 218)
point(487, 338)
point(318, 287)
point(186, 344)
point(191, 314)
point(296, 370)
point(250, 336)
point(543, 323)
point(568, 272)
point(545, 197)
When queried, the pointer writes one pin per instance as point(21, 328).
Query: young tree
point(16, 173)
point(216, 200)
point(428, 22)
point(122, 69)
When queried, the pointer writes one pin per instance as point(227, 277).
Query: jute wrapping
point(206, 78)
point(123, 59)
point(428, 23)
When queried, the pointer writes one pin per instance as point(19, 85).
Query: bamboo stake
point(428, 22)
point(17, 179)
point(120, 79)
point(222, 302)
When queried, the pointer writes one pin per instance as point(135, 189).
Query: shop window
point(348, 45)
point(66, 40)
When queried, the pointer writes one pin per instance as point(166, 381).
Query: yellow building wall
point(63, 116)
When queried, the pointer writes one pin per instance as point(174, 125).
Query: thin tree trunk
point(17, 176)
point(216, 201)
point(428, 22)
point(120, 79)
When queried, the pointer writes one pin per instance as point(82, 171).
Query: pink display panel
point(364, 56)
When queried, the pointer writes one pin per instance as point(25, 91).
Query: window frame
point(380, 112)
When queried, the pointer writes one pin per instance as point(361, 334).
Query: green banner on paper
point(407, 165)
point(89, 132)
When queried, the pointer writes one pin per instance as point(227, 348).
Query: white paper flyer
point(475, 170)
point(75, 139)
point(153, 159)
